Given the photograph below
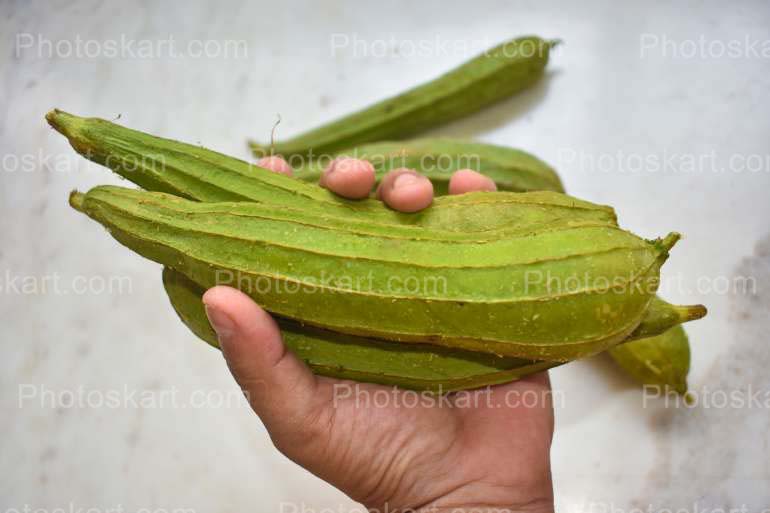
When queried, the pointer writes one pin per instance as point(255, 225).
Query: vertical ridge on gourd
point(495, 74)
point(473, 312)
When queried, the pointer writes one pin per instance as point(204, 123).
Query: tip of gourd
point(60, 121)
point(663, 246)
point(691, 312)
point(680, 388)
point(76, 200)
point(669, 240)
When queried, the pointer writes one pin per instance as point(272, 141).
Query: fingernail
point(221, 322)
point(405, 180)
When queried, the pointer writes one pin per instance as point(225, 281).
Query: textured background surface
point(640, 109)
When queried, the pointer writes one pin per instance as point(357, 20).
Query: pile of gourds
point(477, 289)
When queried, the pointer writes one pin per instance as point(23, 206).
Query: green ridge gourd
point(487, 302)
point(497, 73)
point(412, 366)
point(196, 173)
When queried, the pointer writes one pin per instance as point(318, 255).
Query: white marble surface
point(612, 95)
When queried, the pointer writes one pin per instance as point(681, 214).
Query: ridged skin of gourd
point(412, 366)
point(196, 173)
point(490, 77)
point(353, 275)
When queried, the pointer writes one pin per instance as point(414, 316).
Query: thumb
point(280, 388)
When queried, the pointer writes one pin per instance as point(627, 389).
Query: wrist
point(487, 503)
point(535, 496)
point(545, 506)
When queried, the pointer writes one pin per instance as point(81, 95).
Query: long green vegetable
point(495, 74)
point(196, 173)
point(426, 367)
point(413, 366)
point(404, 283)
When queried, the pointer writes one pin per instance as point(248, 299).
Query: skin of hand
point(389, 449)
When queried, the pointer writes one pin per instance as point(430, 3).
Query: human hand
point(474, 451)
